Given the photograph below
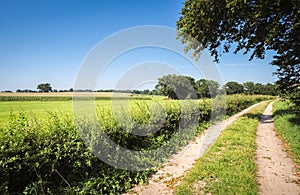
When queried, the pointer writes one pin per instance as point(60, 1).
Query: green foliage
point(294, 97)
point(249, 88)
point(49, 157)
point(240, 102)
point(207, 88)
point(44, 87)
point(269, 89)
point(253, 27)
point(185, 87)
point(233, 87)
point(177, 86)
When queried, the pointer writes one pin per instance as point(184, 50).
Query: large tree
point(249, 88)
point(269, 89)
point(177, 86)
point(252, 26)
point(207, 88)
point(259, 88)
point(44, 87)
point(233, 87)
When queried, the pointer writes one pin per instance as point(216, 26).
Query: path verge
point(171, 174)
point(276, 172)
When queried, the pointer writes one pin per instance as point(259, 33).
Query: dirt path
point(276, 171)
point(170, 175)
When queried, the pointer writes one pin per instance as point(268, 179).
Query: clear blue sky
point(46, 41)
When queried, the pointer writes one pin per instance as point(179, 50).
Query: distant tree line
point(180, 87)
point(37, 91)
point(145, 91)
point(185, 87)
point(135, 91)
point(46, 87)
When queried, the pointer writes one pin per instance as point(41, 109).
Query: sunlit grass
point(287, 124)
point(40, 109)
point(228, 167)
point(41, 139)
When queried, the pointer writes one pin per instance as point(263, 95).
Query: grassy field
point(39, 104)
point(59, 102)
point(228, 167)
point(287, 124)
point(40, 109)
point(63, 94)
point(34, 108)
point(43, 152)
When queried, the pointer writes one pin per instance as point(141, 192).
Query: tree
point(254, 26)
point(259, 88)
point(249, 88)
point(207, 88)
point(44, 87)
point(233, 87)
point(269, 89)
point(177, 86)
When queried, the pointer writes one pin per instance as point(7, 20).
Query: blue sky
point(46, 41)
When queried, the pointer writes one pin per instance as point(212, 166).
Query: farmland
point(42, 149)
point(142, 97)
point(39, 104)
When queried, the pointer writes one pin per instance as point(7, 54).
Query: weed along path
point(170, 175)
point(276, 172)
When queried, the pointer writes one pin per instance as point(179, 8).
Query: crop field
point(94, 100)
point(40, 104)
point(41, 109)
point(42, 149)
point(61, 94)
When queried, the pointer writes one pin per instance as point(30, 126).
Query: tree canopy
point(44, 87)
point(177, 86)
point(207, 88)
point(185, 87)
point(249, 88)
point(250, 26)
point(233, 87)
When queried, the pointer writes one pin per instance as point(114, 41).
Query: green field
point(40, 106)
point(42, 149)
point(40, 109)
point(37, 109)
